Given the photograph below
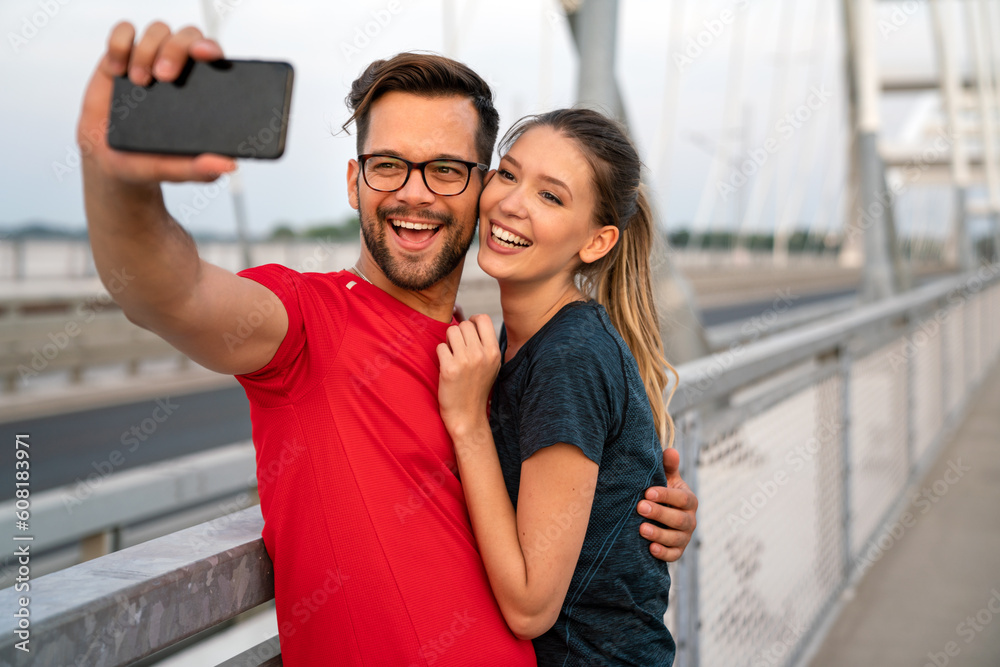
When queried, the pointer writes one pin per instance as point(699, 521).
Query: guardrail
point(79, 329)
point(800, 447)
point(93, 513)
point(128, 605)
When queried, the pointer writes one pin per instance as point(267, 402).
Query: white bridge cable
point(665, 131)
point(732, 106)
point(922, 220)
point(833, 191)
point(804, 170)
point(831, 219)
point(992, 26)
point(976, 13)
point(455, 24)
point(778, 102)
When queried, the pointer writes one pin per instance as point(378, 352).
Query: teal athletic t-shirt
point(576, 381)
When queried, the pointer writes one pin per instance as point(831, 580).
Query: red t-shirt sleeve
point(317, 309)
point(284, 283)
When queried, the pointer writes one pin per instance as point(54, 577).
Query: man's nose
point(415, 192)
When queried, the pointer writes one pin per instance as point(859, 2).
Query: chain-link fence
point(801, 448)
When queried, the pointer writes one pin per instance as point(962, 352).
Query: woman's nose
point(513, 203)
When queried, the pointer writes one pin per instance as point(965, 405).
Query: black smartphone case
point(238, 108)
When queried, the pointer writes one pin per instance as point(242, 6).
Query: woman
point(555, 460)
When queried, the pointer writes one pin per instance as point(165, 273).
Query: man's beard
point(413, 274)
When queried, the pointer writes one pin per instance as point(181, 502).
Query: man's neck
point(436, 302)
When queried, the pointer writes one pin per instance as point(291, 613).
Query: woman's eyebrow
point(554, 181)
point(548, 179)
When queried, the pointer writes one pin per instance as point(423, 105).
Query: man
point(374, 558)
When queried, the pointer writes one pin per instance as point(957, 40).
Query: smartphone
point(238, 108)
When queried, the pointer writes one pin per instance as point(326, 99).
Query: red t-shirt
point(374, 558)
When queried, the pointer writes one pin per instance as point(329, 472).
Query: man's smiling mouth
point(414, 232)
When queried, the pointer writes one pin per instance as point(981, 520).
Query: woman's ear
point(601, 243)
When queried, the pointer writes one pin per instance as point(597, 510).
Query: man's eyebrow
point(386, 151)
point(441, 156)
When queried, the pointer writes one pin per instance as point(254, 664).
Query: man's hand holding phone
point(172, 291)
point(159, 54)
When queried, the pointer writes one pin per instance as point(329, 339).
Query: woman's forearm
point(527, 606)
point(530, 554)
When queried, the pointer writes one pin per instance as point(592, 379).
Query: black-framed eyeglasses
point(388, 173)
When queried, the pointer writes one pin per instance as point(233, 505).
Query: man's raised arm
point(145, 258)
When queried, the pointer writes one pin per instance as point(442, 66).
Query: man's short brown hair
point(427, 75)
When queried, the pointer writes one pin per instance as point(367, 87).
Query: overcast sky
point(522, 47)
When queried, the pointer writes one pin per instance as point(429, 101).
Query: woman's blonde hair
point(622, 280)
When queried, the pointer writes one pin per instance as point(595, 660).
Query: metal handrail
point(65, 514)
point(127, 605)
point(713, 377)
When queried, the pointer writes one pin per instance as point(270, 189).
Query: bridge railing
point(801, 448)
point(130, 604)
point(70, 330)
point(94, 511)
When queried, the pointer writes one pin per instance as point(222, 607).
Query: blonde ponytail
point(624, 286)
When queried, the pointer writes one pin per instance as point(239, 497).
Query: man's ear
point(601, 243)
point(353, 174)
point(489, 177)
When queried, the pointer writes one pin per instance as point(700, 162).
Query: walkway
point(934, 597)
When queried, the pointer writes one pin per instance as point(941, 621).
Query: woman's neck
point(528, 306)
